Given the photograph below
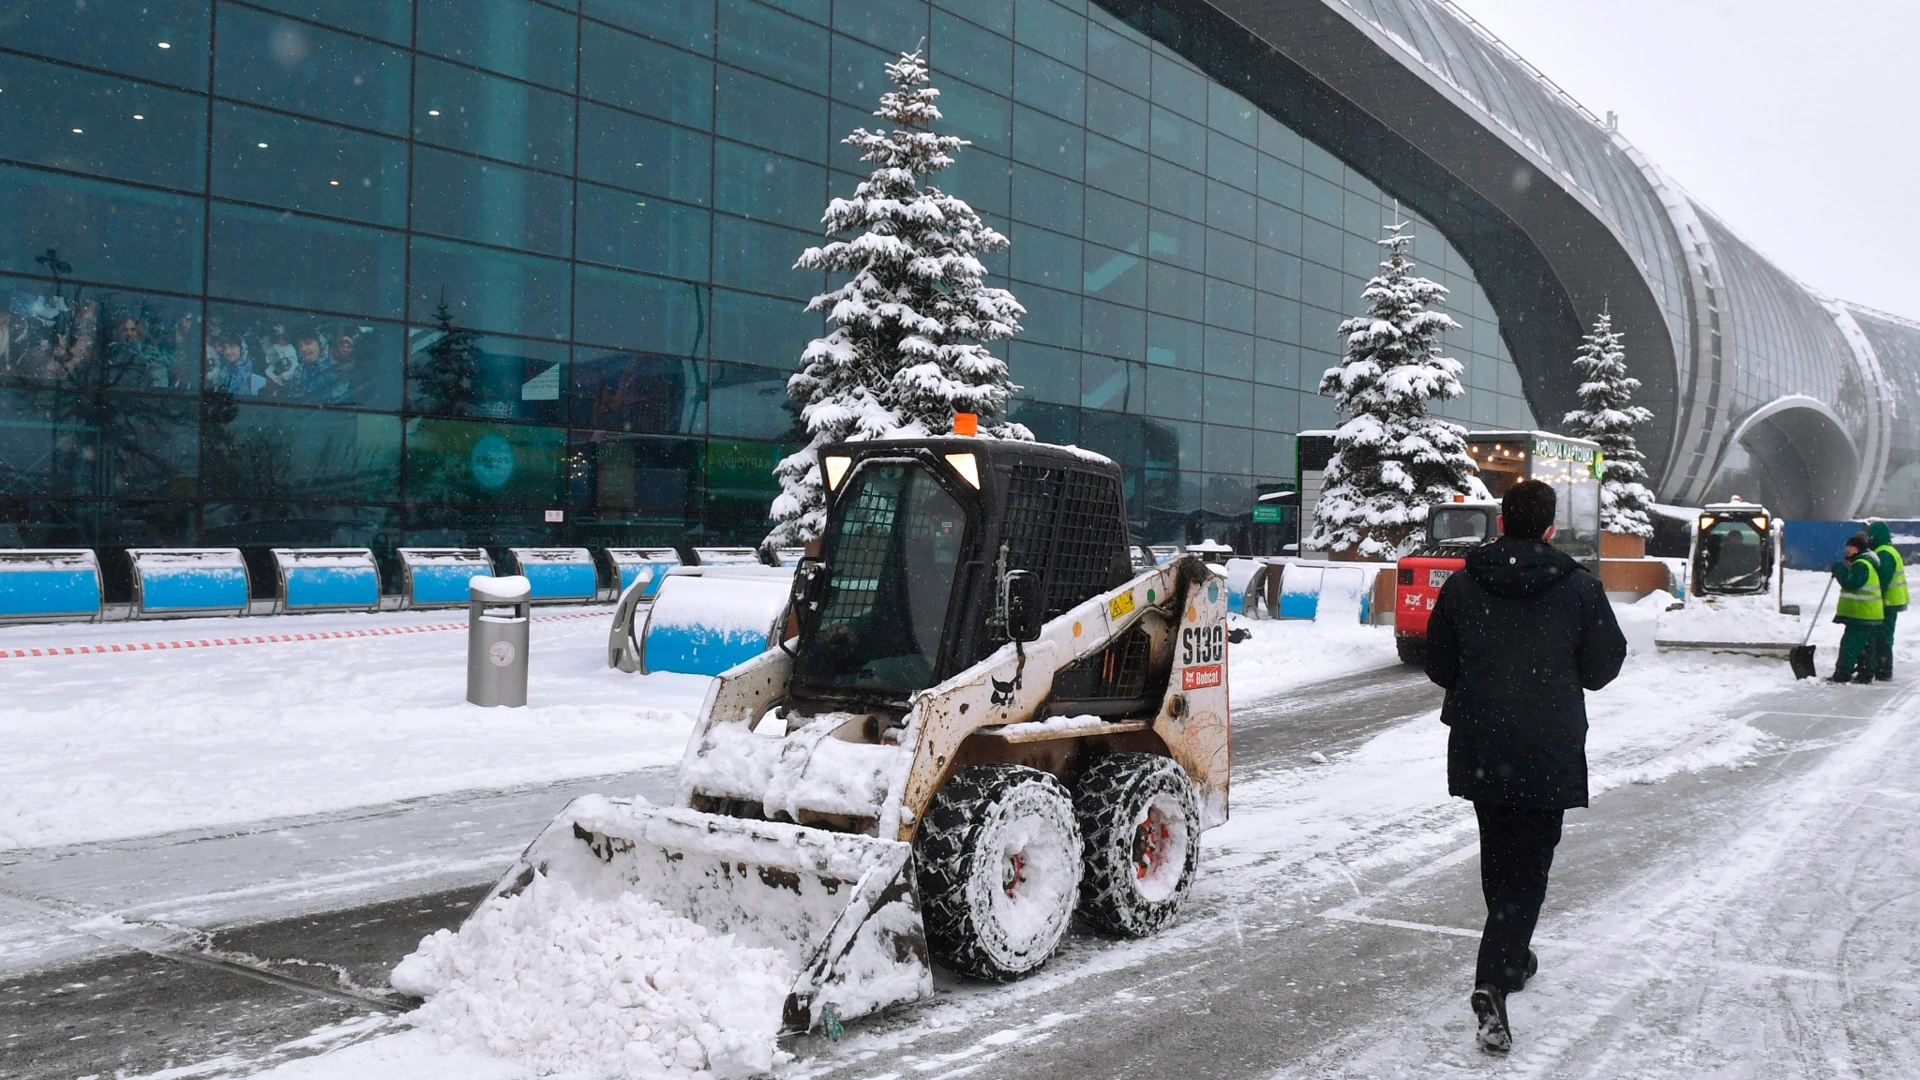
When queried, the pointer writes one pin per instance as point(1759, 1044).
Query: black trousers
point(1516, 852)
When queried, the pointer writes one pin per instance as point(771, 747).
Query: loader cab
point(1734, 550)
point(923, 539)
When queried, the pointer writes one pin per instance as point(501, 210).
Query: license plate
point(1437, 578)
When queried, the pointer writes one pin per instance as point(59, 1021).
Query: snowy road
point(1693, 929)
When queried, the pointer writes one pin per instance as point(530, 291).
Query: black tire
point(992, 832)
point(1412, 650)
point(1141, 827)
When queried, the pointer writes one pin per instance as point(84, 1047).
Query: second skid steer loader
point(986, 722)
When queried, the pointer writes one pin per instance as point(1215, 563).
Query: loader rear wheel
point(1142, 829)
point(998, 860)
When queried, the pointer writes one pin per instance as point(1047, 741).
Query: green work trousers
point(1883, 647)
point(1857, 646)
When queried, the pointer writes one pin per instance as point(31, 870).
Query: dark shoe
point(1863, 678)
point(1533, 968)
point(1490, 1009)
point(1836, 677)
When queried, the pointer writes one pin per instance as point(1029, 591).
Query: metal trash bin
point(499, 616)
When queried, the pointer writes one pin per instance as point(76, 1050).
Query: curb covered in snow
point(261, 639)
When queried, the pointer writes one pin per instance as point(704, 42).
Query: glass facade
point(418, 271)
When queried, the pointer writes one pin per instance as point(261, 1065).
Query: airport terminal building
point(245, 239)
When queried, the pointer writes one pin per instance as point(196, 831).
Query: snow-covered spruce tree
point(1608, 416)
point(1391, 460)
point(911, 318)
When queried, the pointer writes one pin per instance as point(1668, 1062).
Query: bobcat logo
point(1002, 696)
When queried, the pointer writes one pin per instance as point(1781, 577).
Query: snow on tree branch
point(1391, 460)
point(912, 314)
point(1608, 416)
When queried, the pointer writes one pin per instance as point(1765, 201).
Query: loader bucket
point(841, 907)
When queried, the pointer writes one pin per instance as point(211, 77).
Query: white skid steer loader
point(985, 722)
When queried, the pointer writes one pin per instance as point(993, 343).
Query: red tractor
point(1453, 529)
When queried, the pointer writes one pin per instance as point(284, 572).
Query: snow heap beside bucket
point(619, 987)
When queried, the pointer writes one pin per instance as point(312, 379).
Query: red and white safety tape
point(262, 639)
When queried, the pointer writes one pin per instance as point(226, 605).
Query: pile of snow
point(1732, 619)
point(563, 983)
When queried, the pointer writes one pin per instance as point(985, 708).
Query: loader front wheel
point(1142, 829)
point(998, 861)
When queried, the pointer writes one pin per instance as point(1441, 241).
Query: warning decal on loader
point(1200, 678)
point(1120, 605)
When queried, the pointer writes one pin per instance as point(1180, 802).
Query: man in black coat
point(1516, 639)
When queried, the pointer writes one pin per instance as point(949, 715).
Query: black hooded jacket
point(1515, 640)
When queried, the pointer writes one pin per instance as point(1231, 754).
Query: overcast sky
point(1796, 121)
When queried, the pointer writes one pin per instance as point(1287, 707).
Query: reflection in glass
point(95, 444)
point(75, 337)
point(261, 452)
point(462, 461)
point(293, 356)
point(456, 372)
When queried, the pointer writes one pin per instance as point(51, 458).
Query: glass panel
point(752, 403)
point(1046, 83)
point(1172, 393)
point(282, 258)
point(1232, 114)
point(305, 69)
point(654, 235)
point(763, 40)
point(129, 37)
point(1173, 291)
point(647, 77)
point(463, 461)
point(456, 372)
point(485, 114)
point(895, 26)
point(962, 49)
point(1041, 140)
point(628, 478)
point(996, 15)
point(298, 356)
point(1117, 114)
point(1469, 524)
point(389, 19)
point(491, 203)
point(739, 479)
point(639, 154)
point(762, 330)
point(306, 165)
point(1119, 169)
point(750, 255)
point(1045, 257)
point(860, 74)
point(1117, 385)
point(1044, 373)
point(81, 338)
point(97, 444)
point(686, 23)
point(896, 543)
point(1052, 29)
point(513, 37)
point(1118, 60)
point(490, 290)
point(766, 113)
point(633, 311)
point(65, 227)
point(1174, 342)
point(1178, 190)
point(95, 124)
point(1179, 88)
point(637, 391)
point(1114, 330)
point(768, 187)
point(264, 452)
point(982, 118)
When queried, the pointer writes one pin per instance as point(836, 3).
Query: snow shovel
point(1802, 655)
point(842, 907)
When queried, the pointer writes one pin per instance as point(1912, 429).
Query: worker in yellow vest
point(1862, 607)
point(1893, 585)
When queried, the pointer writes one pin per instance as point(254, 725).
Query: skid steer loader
point(986, 722)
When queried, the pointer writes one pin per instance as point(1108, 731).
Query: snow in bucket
point(618, 987)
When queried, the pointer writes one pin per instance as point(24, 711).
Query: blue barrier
point(437, 577)
point(705, 623)
point(1246, 581)
point(43, 586)
point(327, 579)
point(1815, 545)
point(727, 556)
point(648, 566)
point(558, 575)
point(179, 582)
point(1300, 591)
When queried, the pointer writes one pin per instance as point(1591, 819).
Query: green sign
point(1554, 448)
point(1266, 514)
point(1599, 466)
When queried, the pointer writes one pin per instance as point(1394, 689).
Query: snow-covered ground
point(96, 747)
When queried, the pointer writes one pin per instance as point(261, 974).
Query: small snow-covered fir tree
point(1608, 416)
point(1391, 460)
point(907, 351)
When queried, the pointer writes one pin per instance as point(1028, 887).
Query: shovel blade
point(841, 907)
point(1802, 660)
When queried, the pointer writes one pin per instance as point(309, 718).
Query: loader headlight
point(836, 470)
point(967, 466)
point(1760, 522)
point(1706, 524)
